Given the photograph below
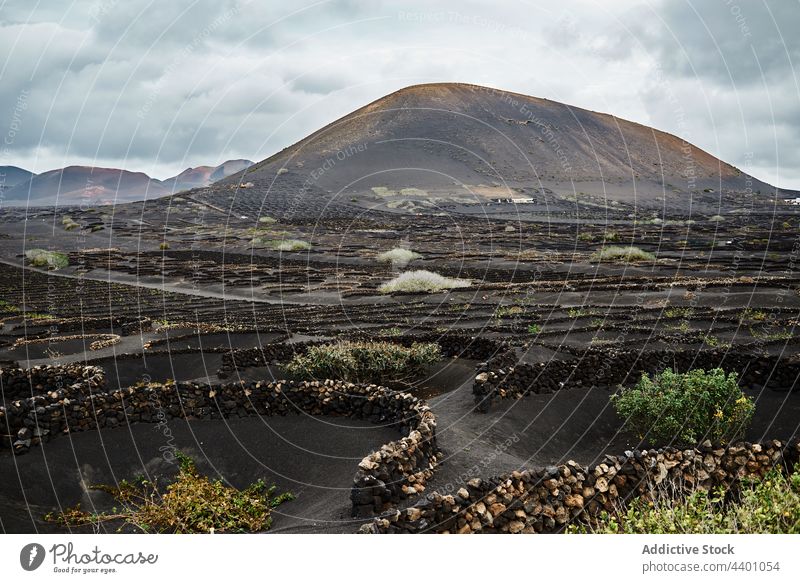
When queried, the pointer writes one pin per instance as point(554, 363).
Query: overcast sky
point(160, 86)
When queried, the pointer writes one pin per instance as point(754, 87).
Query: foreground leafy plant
point(686, 407)
point(767, 506)
point(368, 362)
point(191, 504)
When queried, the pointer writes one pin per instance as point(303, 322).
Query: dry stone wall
point(122, 325)
point(451, 346)
point(394, 472)
point(546, 500)
point(607, 368)
point(21, 383)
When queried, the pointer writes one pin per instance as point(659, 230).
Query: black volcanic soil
point(159, 368)
point(727, 283)
point(313, 457)
point(578, 424)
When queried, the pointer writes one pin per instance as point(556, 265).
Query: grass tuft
point(422, 281)
point(770, 505)
point(44, 258)
point(363, 362)
point(289, 245)
point(616, 254)
point(191, 504)
point(398, 257)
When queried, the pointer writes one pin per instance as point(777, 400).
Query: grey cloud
point(235, 78)
point(730, 68)
point(728, 41)
point(318, 84)
point(592, 35)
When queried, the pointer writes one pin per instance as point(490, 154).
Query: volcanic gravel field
point(175, 289)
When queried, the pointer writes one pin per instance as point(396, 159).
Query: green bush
point(191, 504)
point(68, 223)
point(687, 407)
point(767, 506)
point(503, 311)
point(678, 312)
point(616, 254)
point(44, 258)
point(363, 362)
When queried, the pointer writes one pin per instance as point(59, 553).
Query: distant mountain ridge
point(12, 175)
point(433, 146)
point(75, 185)
point(204, 175)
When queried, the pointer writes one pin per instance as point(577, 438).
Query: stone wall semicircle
point(45, 401)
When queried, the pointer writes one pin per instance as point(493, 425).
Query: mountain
point(465, 142)
point(85, 184)
point(227, 168)
point(75, 185)
point(204, 175)
point(12, 175)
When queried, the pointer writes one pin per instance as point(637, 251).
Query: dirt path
point(175, 287)
point(577, 424)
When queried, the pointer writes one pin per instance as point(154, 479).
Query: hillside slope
point(204, 175)
point(450, 139)
point(10, 176)
point(75, 185)
point(85, 185)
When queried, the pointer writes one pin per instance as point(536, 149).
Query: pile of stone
point(609, 368)
point(546, 500)
point(266, 355)
point(80, 402)
point(129, 327)
point(105, 341)
point(25, 391)
point(21, 383)
point(453, 345)
point(400, 469)
point(102, 340)
point(123, 325)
